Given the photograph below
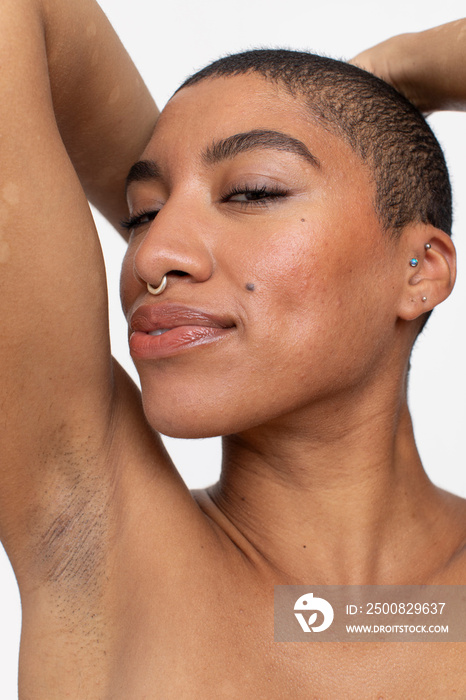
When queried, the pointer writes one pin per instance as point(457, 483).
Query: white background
point(170, 40)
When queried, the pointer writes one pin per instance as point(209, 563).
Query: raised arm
point(74, 115)
point(428, 67)
point(104, 111)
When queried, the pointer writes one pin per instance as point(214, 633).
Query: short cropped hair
point(381, 126)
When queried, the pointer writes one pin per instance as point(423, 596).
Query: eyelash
point(136, 220)
point(263, 196)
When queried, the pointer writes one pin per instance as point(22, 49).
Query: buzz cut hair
point(381, 126)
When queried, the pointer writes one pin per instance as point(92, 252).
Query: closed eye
point(138, 219)
point(257, 195)
point(243, 195)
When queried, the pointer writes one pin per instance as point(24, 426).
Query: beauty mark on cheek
point(250, 287)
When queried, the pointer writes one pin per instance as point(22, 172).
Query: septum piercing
point(157, 290)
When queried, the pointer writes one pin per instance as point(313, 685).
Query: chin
point(195, 402)
point(184, 416)
point(192, 414)
point(185, 430)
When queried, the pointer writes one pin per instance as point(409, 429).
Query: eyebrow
point(257, 139)
point(142, 171)
point(225, 149)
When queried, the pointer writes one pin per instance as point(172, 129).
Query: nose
point(176, 246)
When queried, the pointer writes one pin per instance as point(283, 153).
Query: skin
point(311, 255)
point(428, 67)
point(132, 586)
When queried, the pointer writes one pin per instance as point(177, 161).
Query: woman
point(239, 326)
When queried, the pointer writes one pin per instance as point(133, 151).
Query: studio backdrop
point(170, 40)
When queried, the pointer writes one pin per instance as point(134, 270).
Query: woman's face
point(281, 286)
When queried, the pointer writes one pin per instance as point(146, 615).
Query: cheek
point(302, 270)
point(318, 292)
point(128, 284)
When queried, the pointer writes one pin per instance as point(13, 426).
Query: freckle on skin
point(303, 220)
point(4, 252)
point(250, 287)
point(10, 193)
point(91, 30)
point(114, 95)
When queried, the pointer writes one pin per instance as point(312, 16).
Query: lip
point(187, 328)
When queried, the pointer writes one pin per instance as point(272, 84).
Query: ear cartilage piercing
point(427, 246)
point(414, 262)
point(157, 290)
point(424, 298)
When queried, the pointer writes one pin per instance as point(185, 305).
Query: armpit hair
point(72, 533)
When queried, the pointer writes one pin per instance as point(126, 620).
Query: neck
point(339, 497)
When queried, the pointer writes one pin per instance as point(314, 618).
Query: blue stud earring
point(414, 262)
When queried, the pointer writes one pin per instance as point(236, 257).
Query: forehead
point(217, 108)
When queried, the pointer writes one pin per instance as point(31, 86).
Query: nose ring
point(159, 289)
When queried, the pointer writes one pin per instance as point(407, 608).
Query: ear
point(432, 279)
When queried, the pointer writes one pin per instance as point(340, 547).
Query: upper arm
point(55, 364)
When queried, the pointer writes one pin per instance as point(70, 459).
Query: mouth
point(163, 330)
point(159, 331)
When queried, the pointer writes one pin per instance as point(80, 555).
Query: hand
point(385, 60)
point(429, 68)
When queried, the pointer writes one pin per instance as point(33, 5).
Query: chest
point(208, 643)
point(204, 628)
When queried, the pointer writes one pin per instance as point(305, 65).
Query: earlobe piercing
point(159, 289)
point(427, 246)
point(424, 298)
